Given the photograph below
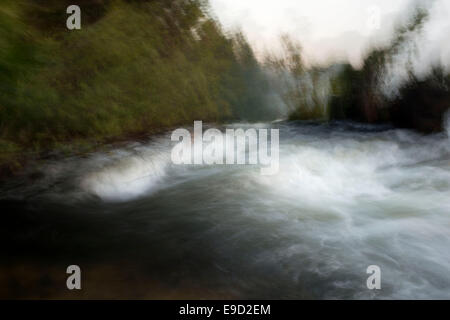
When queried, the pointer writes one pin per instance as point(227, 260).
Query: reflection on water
point(347, 196)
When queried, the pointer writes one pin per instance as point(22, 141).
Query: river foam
point(358, 199)
point(127, 173)
point(346, 196)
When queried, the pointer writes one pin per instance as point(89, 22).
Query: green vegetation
point(420, 103)
point(343, 92)
point(303, 90)
point(134, 67)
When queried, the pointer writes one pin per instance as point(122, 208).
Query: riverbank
point(132, 69)
point(14, 163)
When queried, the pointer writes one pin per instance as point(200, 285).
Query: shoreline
point(16, 164)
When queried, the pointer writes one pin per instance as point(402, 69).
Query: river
point(346, 196)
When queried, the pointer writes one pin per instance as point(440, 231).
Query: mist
point(423, 49)
point(331, 31)
point(328, 30)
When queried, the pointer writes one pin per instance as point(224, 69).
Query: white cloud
point(327, 29)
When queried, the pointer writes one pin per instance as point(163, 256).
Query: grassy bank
point(134, 67)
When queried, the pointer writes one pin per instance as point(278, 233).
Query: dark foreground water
point(347, 196)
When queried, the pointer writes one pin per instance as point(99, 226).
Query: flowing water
point(346, 196)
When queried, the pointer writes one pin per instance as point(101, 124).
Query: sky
point(328, 30)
